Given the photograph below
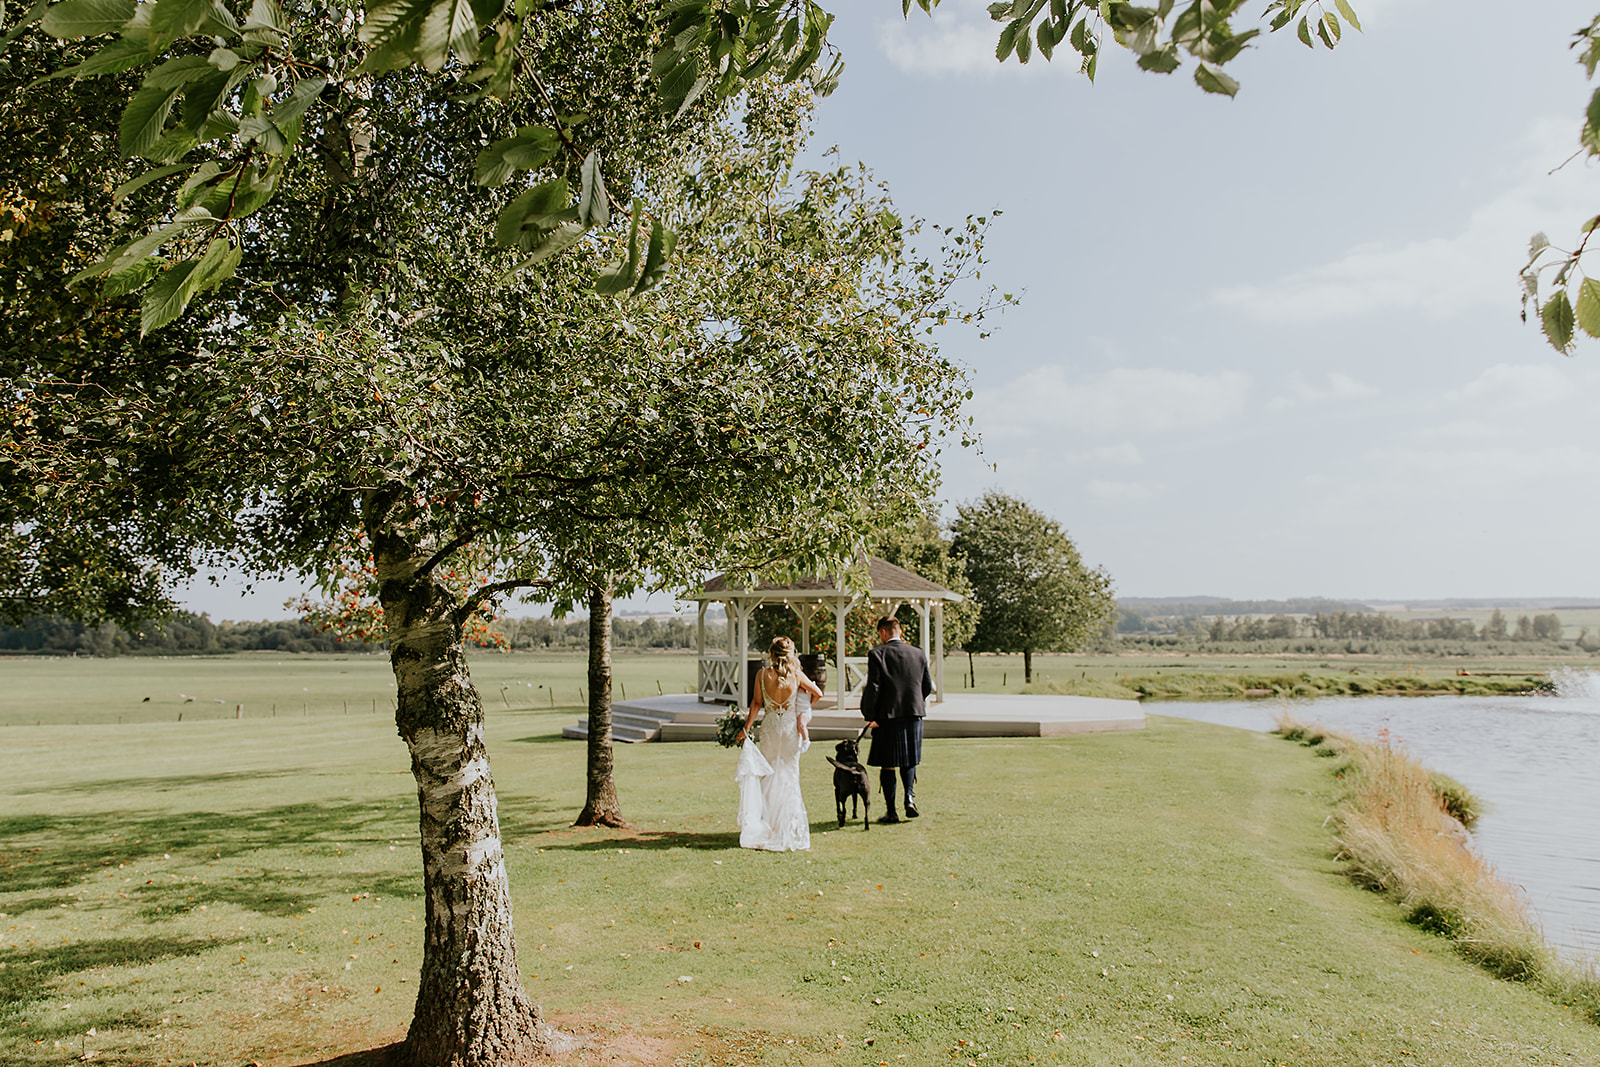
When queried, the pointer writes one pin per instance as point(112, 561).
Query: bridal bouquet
point(729, 725)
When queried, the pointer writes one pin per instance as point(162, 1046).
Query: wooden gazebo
point(724, 675)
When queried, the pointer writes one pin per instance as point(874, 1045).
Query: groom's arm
point(869, 689)
point(927, 677)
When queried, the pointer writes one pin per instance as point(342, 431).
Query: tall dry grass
point(1402, 830)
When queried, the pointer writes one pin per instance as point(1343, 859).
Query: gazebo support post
point(841, 608)
point(742, 655)
point(938, 649)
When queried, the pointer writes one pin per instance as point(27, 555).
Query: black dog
point(850, 782)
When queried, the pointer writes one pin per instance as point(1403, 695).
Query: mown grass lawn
point(227, 891)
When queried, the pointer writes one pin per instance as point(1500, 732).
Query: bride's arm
point(755, 705)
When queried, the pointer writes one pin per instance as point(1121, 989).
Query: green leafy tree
point(469, 439)
point(230, 100)
point(922, 547)
point(1034, 591)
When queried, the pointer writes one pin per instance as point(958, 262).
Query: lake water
point(1533, 761)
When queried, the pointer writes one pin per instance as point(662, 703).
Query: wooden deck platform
point(681, 717)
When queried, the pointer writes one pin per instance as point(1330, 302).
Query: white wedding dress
point(772, 814)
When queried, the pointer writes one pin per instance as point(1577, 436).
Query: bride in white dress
point(772, 814)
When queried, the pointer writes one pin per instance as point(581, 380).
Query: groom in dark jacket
point(892, 702)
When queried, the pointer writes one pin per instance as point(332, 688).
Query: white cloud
point(1339, 387)
point(1122, 492)
point(1123, 400)
point(1441, 276)
point(1521, 385)
point(959, 38)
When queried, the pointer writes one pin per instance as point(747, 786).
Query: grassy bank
point(231, 891)
point(1402, 833)
point(1198, 685)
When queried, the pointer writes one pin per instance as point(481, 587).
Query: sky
point(1266, 347)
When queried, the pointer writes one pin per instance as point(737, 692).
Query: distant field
point(283, 685)
point(64, 691)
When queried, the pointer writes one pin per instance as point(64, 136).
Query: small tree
point(1033, 588)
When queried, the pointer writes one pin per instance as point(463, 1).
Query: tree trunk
point(471, 1008)
point(601, 808)
point(1027, 666)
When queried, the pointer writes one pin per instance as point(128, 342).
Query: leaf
point(86, 18)
point(1008, 39)
point(129, 280)
point(117, 56)
point(144, 118)
point(265, 15)
point(1588, 310)
point(662, 242)
point(171, 19)
point(202, 96)
point(619, 277)
point(167, 297)
point(1162, 61)
point(176, 73)
point(1304, 33)
point(1349, 13)
point(557, 240)
point(301, 97)
point(594, 205)
point(532, 147)
point(128, 255)
point(543, 200)
point(449, 26)
point(1331, 20)
point(128, 188)
point(1557, 318)
point(386, 22)
point(1214, 81)
point(1538, 244)
point(219, 263)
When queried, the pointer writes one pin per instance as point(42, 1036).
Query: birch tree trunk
point(471, 1009)
point(601, 806)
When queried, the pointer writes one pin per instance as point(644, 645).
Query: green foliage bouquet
point(729, 725)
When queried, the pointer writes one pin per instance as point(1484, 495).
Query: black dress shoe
point(911, 809)
point(889, 818)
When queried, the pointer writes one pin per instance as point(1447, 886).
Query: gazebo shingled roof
point(882, 576)
point(724, 677)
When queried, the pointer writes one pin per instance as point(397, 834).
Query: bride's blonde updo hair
point(781, 657)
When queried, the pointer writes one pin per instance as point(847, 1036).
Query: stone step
point(626, 733)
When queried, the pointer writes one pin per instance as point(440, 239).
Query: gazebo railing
point(719, 678)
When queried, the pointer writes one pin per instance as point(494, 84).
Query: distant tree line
point(189, 634)
point(1352, 631)
point(181, 634)
point(534, 635)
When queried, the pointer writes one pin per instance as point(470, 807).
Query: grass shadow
point(539, 739)
point(381, 1056)
point(651, 840)
point(165, 783)
point(26, 973)
point(45, 852)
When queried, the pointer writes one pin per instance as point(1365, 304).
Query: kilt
point(896, 743)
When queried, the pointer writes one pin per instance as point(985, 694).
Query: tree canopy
point(1033, 589)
